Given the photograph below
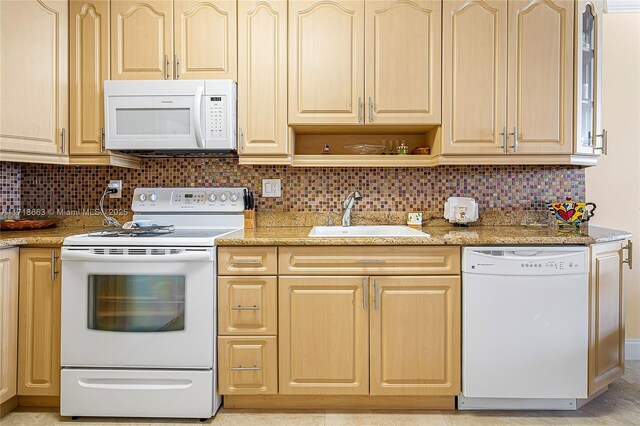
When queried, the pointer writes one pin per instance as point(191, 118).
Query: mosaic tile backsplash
point(303, 189)
point(10, 176)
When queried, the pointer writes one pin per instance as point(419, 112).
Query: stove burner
point(142, 231)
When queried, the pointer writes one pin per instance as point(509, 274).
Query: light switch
point(271, 187)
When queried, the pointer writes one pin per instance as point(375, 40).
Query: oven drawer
point(247, 261)
point(378, 260)
point(137, 393)
point(247, 305)
point(247, 365)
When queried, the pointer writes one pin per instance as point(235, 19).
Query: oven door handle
point(135, 384)
point(192, 256)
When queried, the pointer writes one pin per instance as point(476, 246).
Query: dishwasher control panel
point(553, 260)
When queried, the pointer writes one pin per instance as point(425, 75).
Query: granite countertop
point(282, 236)
point(477, 235)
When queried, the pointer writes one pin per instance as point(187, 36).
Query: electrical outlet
point(271, 188)
point(117, 184)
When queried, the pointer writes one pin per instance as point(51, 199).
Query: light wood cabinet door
point(326, 62)
point(588, 76)
point(323, 336)
point(39, 323)
point(34, 76)
point(141, 40)
point(403, 62)
point(205, 39)
point(540, 99)
point(8, 323)
point(89, 64)
point(247, 365)
point(262, 77)
point(247, 305)
point(415, 335)
point(606, 328)
point(474, 80)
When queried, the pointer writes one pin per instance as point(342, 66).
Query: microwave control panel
point(216, 117)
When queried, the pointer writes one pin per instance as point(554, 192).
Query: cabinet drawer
point(247, 261)
point(247, 365)
point(380, 260)
point(247, 305)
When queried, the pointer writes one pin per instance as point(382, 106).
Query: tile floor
point(618, 406)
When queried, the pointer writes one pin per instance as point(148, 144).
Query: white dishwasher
point(525, 322)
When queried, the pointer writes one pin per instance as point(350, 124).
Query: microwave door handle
point(197, 117)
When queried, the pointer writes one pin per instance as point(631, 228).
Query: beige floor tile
point(268, 418)
point(384, 418)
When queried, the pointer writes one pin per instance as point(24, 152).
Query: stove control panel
point(210, 200)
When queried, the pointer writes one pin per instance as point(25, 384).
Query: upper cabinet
point(331, 41)
point(402, 79)
point(540, 58)
point(326, 62)
point(508, 77)
point(474, 79)
point(141, 40)
point(591, 138)
point(34, 66)
point(164, 39)
point(205, 39)
point(262, 79)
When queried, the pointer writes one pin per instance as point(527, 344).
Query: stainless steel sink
point(367, 231)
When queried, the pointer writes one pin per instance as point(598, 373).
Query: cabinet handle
point(515, 139)
point(370, 109)
point(370, 261)
point(101, 139)
point(245, 308)
point(364, 293)
point(240, 137)
point(629, 249)
point(504, 139)
point(360, 109)
point(241, 368)
point(176, 62)
point(247, 262)
point(375, 294)
point(605, 146)
point(166, 67)
point(53, 265)
point(62, 141)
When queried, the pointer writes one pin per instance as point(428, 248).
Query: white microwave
point(170, 115)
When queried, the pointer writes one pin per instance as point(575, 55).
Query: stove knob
point(234, 197)
point(212, 197)
point(142, 197)
point(223, 197)
point(153, 196)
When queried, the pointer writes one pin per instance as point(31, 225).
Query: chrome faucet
point(347, 205)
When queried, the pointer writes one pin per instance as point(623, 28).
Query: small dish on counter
point(26, 224)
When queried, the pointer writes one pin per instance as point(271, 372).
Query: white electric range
point(139, 310)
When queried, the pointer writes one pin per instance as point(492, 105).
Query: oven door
point(146, 307)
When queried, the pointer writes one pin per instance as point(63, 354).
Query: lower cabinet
point(8, 323)
point(247, 365)
point(415, 335)
point(606, 328)
point(39, 322)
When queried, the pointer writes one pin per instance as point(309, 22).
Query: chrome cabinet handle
point(370, 261)
point(360, 109)
point(629, 249)
point(241, 368)
point(504, 139)
point(605, 146)
point(370, 109)
point(62, 140)
point(53, 265)
point(247, 262)
point(102, 139)
point(176, 62)
point(364, 293)
point(245, 308)
point(166, 67)
point(515, 139)
point(375, 295)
